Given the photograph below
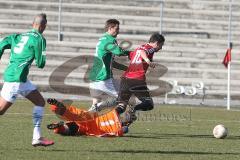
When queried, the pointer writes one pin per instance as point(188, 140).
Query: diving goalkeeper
point(82, 122)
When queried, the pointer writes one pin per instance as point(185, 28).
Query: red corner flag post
point(227, 57)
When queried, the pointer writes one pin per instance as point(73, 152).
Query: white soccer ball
point(220, 131)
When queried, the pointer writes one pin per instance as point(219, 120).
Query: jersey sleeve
point(150, 52)
point(115, 49)
point(40, 55)
point(5, 44)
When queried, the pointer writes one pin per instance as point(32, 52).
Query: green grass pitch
point(167, 132)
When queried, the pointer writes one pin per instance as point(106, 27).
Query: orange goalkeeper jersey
point(94, 124)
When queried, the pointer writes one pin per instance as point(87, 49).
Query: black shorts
point(129, 87)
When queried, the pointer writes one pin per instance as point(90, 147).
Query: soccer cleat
point(125, 129)
point(42, 142)
point(129, 116)
point(55, 125)
point(52, 101)
point(132, 113)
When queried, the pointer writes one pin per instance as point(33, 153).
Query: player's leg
point(145, 105)
point(128, 118)
point(95, 100)
point(57, 107)
point(8, 96)
point(29, 91)
point(70, 113)
point(4, 105)
point(98, 90)
point(140, 90)
point(124, 95)
point(110, 88)
point(142, 93)
point(96, 94)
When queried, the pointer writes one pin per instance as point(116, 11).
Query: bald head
point(40, 22)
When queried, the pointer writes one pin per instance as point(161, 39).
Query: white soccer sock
point(110, 102)
point(37, 119)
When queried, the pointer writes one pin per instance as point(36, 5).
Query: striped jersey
point(138, 67)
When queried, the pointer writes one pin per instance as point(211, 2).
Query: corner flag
point(227, 57)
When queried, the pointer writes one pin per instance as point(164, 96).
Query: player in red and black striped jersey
point(134, 78)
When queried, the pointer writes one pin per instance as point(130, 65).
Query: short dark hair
point(40, 19)
point(43, 15)
point(111, 23)
point(156, 37)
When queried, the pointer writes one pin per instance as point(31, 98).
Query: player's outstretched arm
point(115, 49)
point(119, 66)
point(40, 54)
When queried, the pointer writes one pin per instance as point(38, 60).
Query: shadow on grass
point(171, 136)
point(166, 136)
point(168, 152)
point(40, 148)
point(130, 151)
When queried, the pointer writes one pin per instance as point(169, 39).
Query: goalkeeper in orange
point(82, 122)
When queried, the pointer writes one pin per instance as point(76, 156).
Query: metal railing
point(161, 2)
point(60, 35)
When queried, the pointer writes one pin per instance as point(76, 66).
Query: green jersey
point(106, 48)
point(25, 48)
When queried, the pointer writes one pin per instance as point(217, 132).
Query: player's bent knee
point(2, 112)
point(36, 98)
point(151, 106)
point(146, 105)
point(42, 103)
point(4, 105)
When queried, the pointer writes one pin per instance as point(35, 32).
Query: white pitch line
point(212, 120)
point(27, 114)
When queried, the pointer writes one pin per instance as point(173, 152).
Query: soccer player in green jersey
point(25, 48)
point(101, 76)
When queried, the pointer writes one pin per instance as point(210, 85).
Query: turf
point(167, 132)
